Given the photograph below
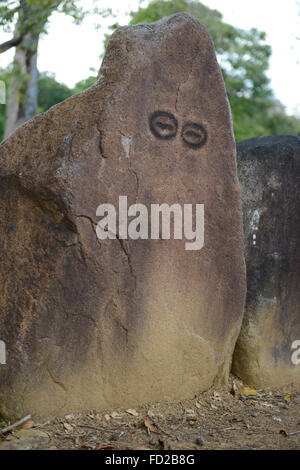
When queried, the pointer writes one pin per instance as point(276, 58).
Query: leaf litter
point(231, 417)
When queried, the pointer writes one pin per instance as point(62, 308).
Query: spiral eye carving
point(163, 125)
point(194, 135)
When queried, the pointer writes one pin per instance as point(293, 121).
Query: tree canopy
point(243, 57)
point(50, 92)
point(244, 60)
point(26, 20)
point(22, 17)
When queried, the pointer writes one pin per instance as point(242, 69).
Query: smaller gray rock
point(200, 441)
point(267, 353)
point(26, 439)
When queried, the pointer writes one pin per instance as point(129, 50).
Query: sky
point(71, 51)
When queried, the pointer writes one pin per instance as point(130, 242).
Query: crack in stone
point(181, 85)
point(54, 380)
point(67, 143)
point(64, 244)
point(137, 183)
point(116, 317)
point(128, 256)
point(93, 224)
point(193, 333)
point(100, 144)
point(48, 205)
point(120, 324)
point(82, 315)
point(184, 81)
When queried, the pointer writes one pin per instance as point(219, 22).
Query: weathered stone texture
point(94, 324)
point(269, 173)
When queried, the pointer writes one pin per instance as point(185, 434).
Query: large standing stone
point(93, 324)
point(268, 348)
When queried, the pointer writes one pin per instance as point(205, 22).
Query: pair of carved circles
point(164, 125)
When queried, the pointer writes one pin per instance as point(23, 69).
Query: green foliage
point(31, 16)
point(107, 36)
point(243, 56)
point(51, 92)
point(158, 9)
point(2, 120)
point(84, 84)
point(5, 75)
point(27, 20)
point(244, 60)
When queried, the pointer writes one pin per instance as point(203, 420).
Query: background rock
point(269, 173)
point(92, 324)
point(26, 439)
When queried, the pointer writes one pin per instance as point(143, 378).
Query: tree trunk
point(22, 99)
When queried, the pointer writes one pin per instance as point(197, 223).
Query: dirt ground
point(232, 417)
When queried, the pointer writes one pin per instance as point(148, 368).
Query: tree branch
point(15, 425)
point(15, 41)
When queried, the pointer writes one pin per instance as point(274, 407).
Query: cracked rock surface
point(92, 324)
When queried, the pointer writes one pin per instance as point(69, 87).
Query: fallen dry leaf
point(115, 415)
point(190, 415)
point(68, 427)
point(88, 446)
point(79, 440)
point(28, 425)
point(132, 412)
point(146, 421)
point(105, 447)
point(248, 392)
